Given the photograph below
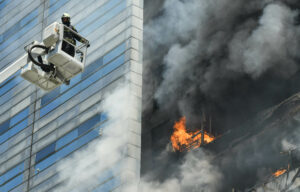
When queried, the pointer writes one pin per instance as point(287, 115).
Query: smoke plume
point(196, 174)
point(232, 59)
point(82, 171)
point(221, 52)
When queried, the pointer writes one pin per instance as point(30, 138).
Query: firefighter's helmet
point(66, 19)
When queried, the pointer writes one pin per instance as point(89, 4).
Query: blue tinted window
point(88, 137)
point(46, 163)
point(17, 122)
point(20, 116)
point(3, 147)
point(9, 85)
point(77, 144)
point(3, 3)
point(82, 85)
point(20, 24)
point(50, 107)
point(12, 183)
point(11, 30)
point(103, 116)
point(29, 17)
point(104, 71)
point(92, 67)
point(109, 185)
point(11, 173)
point(80, 130)
point(11, 132)
point(49, 96)
point(18, 34)
point(97, 13)
point(88, 124)
point(66, 139)
point(19, 127)
point(45, 152)
point(9, 79)
point(67, 95)
point(52, 2)
point(57, 5)
point(67, 150)
point(6, 97)
point(4, 127)
point(116, 52)
point(113, 65)
point(50, 149)
point(96, 24)
point(73, 81)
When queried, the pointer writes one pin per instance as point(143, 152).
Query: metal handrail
point(86, 41)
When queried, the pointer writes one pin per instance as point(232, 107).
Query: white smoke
point(293, 141)
point(272, 43)
point(81, 171)
point(288, 145)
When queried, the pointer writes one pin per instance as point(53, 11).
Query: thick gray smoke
point(196, 174)
point(218, 43)
point(208, 47)
point(271, 45)
point(233, 59)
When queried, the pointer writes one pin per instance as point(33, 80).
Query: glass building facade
point(39, 129)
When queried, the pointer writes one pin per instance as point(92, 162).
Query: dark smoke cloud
point(231, 58)
point(200, 51)
point(251, 154)
point(196, 174)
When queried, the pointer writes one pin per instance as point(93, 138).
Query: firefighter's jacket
point(72, 37)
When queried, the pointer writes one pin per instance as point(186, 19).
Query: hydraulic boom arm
point(49, 64)
point(21, 62)
point(13, 68)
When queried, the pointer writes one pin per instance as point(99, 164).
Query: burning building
point(228, 73)
point(183, 140)
point(220, 98)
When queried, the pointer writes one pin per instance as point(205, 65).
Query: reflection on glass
point(86, 82)
point(14, 125)
point(63, 146)
point(11, 173)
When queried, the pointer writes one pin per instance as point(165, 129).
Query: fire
point(181, 139)
point(279, 172)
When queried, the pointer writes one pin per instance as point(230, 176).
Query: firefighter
point(69, 36)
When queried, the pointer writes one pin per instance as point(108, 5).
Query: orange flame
point(181, 139)
point(279, 172)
